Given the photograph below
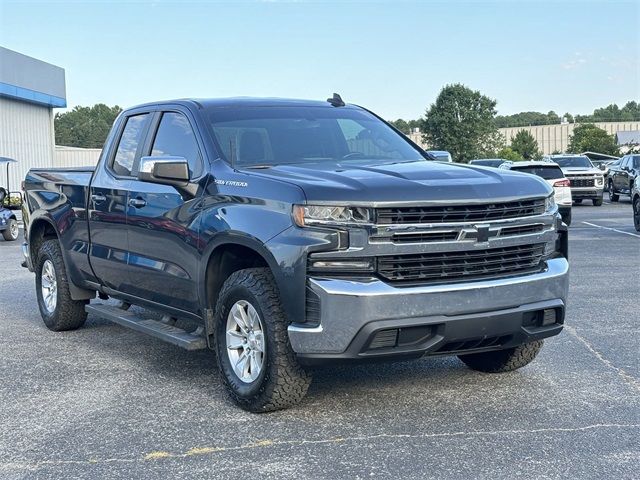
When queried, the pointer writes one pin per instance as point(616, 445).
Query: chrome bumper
point(347, 306)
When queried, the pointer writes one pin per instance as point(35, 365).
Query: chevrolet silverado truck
point(587, 181)
point(282, 234)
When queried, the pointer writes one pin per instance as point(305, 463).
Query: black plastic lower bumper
point(452, 335)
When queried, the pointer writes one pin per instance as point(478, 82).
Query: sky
point(392, 57)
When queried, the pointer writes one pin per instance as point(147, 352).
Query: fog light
point(350, 265)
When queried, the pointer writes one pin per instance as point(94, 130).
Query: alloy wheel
point(49, 286)
point(245, 341)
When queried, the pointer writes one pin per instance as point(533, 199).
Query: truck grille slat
point(460, 213)
point(581, 182)
point(452, 266)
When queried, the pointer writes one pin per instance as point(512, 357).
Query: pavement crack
point(202, 451)
point(629, 379)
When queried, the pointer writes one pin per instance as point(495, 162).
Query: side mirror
point(165, 170)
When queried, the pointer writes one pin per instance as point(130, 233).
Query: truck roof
point(243, 102)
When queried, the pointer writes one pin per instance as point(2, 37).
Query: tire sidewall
point(10, 224)
point(243, 391)
point(636, 214)
point(49, 318)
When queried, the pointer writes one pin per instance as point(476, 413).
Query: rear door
point(163, 222)
point(621, 178)
point(108, 197)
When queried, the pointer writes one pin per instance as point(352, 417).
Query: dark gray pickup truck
point(283, 233)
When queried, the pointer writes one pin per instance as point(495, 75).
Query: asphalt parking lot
point(106, 402)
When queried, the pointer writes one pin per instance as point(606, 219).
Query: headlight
point(599, 181)
point(305, 215)
point(550, 204)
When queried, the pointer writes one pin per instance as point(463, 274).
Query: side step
point(155, 328)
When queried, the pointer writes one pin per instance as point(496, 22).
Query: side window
point(129, 141)
point(175, 137)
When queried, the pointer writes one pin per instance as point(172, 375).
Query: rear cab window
point(130, 139)
point(550, 172)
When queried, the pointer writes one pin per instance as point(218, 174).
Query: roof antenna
point(336, 100)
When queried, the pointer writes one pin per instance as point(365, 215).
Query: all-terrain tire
point(68, 314)
point(282, 381)
point(503, 360)
point(613, 196)
point(10, 233)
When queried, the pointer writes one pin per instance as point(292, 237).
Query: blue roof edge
point(31, 96)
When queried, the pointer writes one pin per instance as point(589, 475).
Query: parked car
point(635, 201)
point(441, 155)
point(8, 203)
point(488, 162)
point(621, 177)
point(294, 233)
point(587, 181)
point(554, 176)
point(606, 168)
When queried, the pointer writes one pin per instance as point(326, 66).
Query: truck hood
point(419, 181)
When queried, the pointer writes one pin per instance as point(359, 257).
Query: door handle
point(137, 202)
point(98, 198)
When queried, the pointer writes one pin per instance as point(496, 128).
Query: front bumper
point(586, 193)
point(353, 312)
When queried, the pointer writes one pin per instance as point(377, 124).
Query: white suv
point(554, 176)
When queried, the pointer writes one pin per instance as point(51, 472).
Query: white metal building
point(29, 91)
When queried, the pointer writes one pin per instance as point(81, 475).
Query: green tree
point(401, 125)
point(461, 121)
point(86, 127)
point(589, 138)
point(524, 144)
point(569, 117)
point(507, 153)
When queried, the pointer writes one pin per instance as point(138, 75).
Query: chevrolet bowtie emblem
point(483, 233)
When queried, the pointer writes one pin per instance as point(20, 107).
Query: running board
point(162, 330)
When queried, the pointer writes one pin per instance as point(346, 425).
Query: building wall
point(75, 157)
point(26, 136)
point(552, 138)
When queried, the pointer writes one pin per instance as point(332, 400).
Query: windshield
point(583, 162)
point(267, 136)
point(636, 161)
point(548, 173)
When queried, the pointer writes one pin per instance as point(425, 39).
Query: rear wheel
point(58, 310)
point(503, 360)
point(10, 234)
point(636, 213)
point(257, 363)
point(578, 201)
point(612, 193)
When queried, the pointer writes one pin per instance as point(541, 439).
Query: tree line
point(630, 112)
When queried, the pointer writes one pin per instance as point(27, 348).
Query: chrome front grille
point(465, 265)
point(459, 213)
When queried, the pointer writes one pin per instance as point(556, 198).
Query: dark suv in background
point(621, 177)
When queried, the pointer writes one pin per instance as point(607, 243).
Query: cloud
point(575, 62)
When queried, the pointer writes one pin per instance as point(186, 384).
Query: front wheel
point(10, 233)
point(58, 310)
point(255, 358)
point(636, 213)
point(503, 360)
point(612, 193)
point(597, 202)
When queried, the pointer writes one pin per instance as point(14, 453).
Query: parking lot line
point(612, 229)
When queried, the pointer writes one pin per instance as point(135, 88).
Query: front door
point(107, 203)
point(163, 223)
